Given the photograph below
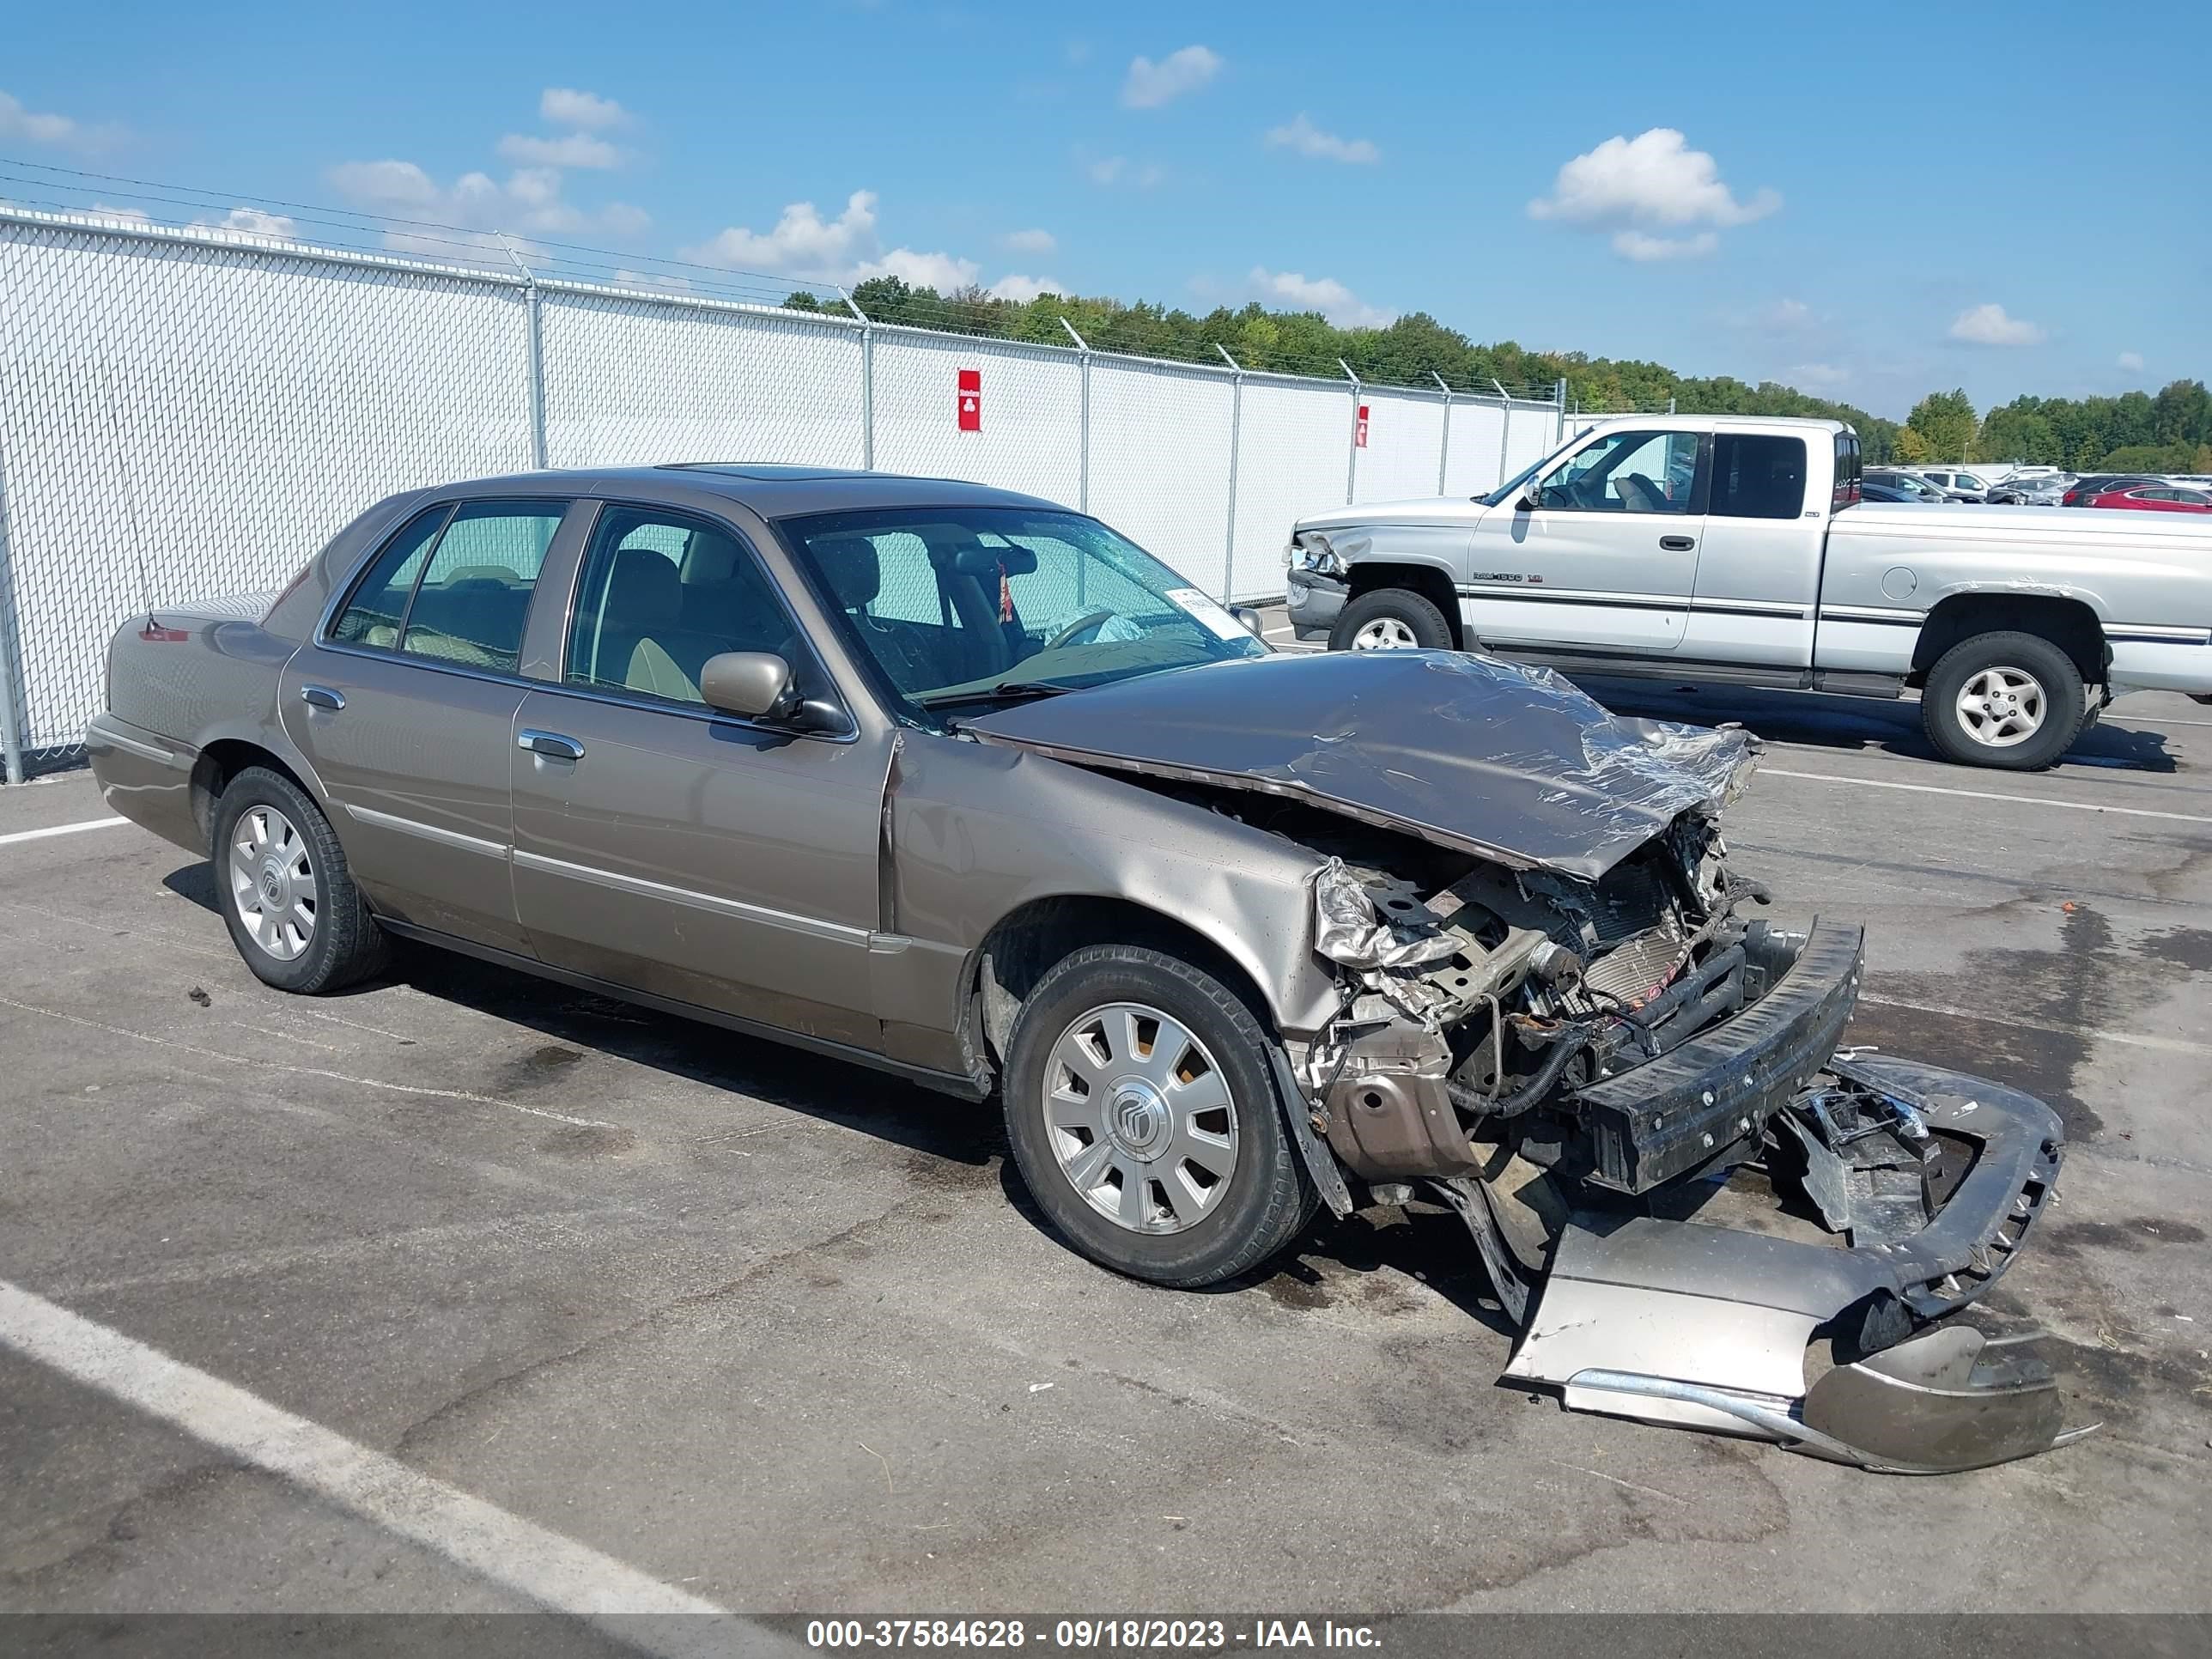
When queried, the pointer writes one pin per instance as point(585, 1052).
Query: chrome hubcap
point(1385, 633)
point(1139, 1118)
point(271, 882)
point(2001, 706)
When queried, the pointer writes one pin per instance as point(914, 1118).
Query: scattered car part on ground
point(962, 785)
point(1738, 550)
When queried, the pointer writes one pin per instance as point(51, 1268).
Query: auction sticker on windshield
point(1208, 613)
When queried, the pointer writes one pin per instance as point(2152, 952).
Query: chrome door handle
point(321, 696)
point(1678, 544)
point(549, 744)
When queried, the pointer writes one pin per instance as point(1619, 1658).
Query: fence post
point(1236, 447)
point(1444, 449)
point(1352, 450)
point(535, 367)
point(1083, 474)
point(867, 382)
point(1505, 432)
point(1559, 398)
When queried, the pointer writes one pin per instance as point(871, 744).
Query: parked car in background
point(1908, 484)
point(2092, 484)
point(2156, 498)
point(959, 784)
point(1771, 571)
point(1875, 489)
point(1960, 486)
point(2031, 489)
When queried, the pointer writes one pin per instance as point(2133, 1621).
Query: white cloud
point(1117, 170)
point(566, 106)
point(253, 221)
point(1785, 316)
point(1301, 135)
point(1643, 247)
point(1630, 187)
point(2131, 360)
point(1323, 294)
point(1816, 374)
point(1028, 241)
point(844, 250)
point(35, 127)
point(529, 202)
point(1149, 85)
point(802, 242)
point(1022, 290)
point(1988, 325)
point(570, 149)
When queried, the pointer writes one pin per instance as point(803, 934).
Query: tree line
point(1408, 352)
point(2170, 432)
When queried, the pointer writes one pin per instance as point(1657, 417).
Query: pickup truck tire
point(2007, 699)
point(1143, 1114)
point(1390, 619)
point(287, 896)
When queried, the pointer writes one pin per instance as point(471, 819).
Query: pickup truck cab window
point(1634, 471)
point(1758, 474)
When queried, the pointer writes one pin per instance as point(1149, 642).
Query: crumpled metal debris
point(1349, 929)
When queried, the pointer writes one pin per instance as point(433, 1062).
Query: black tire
point(344, 944)
point(1412, 611)
point(1269, 1197)
point(2065, 700)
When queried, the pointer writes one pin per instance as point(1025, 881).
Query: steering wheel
point(1090, 619)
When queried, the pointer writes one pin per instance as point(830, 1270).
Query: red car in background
point(2156, 498)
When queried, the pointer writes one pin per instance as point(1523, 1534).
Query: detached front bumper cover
point(1709, 1326)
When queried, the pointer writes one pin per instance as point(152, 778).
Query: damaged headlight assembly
point(1696, 1209)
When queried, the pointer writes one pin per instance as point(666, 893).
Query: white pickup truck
point(1736, 550)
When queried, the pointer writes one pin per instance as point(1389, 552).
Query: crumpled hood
point(1507, 762)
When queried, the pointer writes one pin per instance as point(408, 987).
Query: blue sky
point(1871, 205)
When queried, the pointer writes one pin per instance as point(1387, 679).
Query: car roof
point(771, 490)
point(1720, 422)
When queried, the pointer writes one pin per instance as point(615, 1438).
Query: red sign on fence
point(1360, 431)
point(971, 400)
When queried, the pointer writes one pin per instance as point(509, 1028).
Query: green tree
point(1945, 421)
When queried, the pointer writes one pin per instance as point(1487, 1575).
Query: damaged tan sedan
point(969, 788)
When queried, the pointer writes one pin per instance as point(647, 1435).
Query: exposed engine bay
point(1698, 1211)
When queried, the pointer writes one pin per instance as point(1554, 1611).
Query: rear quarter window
point(1758, 474)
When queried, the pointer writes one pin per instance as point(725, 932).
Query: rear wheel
point(2007, 700)
point(1143, 1117)
point(287, 897)
point(1390, 619)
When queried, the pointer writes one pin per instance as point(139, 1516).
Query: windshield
point(972, 604)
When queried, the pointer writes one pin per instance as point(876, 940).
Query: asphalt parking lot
point(779, 1335)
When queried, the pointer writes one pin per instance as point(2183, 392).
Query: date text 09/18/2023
point(1085, 1635)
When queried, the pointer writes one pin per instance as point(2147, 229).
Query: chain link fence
point(189, 412)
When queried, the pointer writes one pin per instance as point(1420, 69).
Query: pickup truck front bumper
point(1709, 1326)
point(1313, 601)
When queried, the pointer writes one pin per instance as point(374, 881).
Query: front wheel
point(1143, 1116)
point(2007, 700)
point(1390, 619)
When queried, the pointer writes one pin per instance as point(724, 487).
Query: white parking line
point(1982, 794)
point(61, 829)
point(555, 1572)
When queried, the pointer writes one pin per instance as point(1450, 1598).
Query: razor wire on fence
point(187, 412)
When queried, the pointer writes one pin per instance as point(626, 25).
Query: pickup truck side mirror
point(1532, 497)
point(1250, 618)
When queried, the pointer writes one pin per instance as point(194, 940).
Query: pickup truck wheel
point(1143, 1117)
point(288, 898)
point(2007, 700)
point(1390, 619)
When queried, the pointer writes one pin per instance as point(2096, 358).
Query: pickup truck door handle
point(552, 744)
point(321, 696)
point(1678, 544)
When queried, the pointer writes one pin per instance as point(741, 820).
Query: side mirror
point(1246, 615)
point(1532, 497)
point(752, 684)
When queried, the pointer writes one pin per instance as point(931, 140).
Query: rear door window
point(474, 595)
point(377, 609)
point(1758, 474)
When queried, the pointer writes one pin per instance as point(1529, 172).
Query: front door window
point(1627, 472)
